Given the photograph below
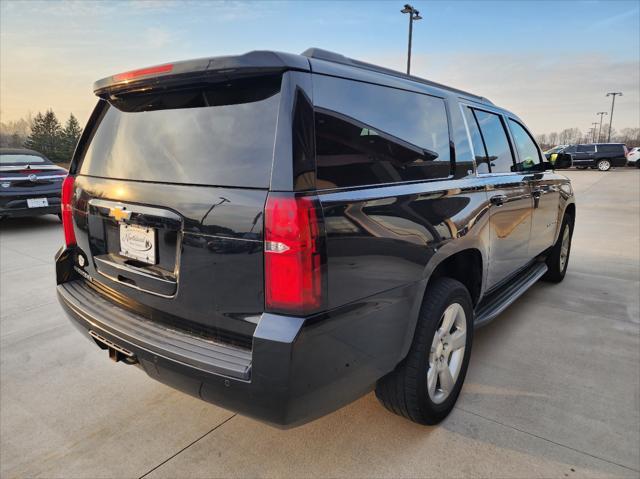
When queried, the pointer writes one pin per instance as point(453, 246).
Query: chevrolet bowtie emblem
point(119, 213)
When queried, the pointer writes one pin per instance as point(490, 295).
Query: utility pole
point(613, 103)
point(601, 113)
point(595, 124)
point(413, 15)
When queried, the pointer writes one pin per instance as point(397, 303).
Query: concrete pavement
point(553, 389)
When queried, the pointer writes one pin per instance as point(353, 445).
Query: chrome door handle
point(499, 200)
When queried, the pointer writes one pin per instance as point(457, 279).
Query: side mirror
point(559, 161)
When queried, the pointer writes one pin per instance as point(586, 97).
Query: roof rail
point(333, 57)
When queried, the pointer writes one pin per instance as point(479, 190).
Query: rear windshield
point(20, 159)
point(221, 134)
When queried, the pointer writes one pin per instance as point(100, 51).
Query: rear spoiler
point(199, 70)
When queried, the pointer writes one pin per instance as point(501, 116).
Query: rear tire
point(424, 387)
point(604, 165)
point(558, 259)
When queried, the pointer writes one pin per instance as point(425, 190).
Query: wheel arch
point(465, 266)
point(454, 265)
point(570, 210)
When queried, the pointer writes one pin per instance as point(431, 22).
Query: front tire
point(558, 259)
point(424, 387)
point(604, 165)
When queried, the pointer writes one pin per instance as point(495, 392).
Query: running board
point(497, 302)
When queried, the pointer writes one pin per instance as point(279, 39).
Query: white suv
point(633, 157)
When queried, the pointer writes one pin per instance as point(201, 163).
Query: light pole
point(601, 113)
point(613, 103)
point(595, 124)
point(413, 15)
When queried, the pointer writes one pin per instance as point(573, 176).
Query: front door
point(545, 188)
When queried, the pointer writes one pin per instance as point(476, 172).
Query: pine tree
point(69, 137)
point(45, 136)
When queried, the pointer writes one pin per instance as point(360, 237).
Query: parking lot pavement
point(553, 389)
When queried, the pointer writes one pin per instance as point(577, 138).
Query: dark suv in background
point(30, 184)
point(602, 156)
point(280, 234)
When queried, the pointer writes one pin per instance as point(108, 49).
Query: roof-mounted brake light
point(142, 72)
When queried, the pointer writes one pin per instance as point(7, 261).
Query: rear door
point(509, 194)
point(169, 202)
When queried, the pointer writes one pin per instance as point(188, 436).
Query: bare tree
point(542, 141)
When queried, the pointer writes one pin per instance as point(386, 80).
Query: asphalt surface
point(553, 389)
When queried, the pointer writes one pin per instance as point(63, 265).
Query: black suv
point(280, 234)
point(598, 155)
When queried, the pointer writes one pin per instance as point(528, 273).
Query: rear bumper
point(297, 370)
point(16, 205)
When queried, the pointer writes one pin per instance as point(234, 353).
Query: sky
point(550, 62)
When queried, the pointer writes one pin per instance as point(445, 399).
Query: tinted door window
point(528, 154)
point(586, 148)
point(479, 149)
point(495, 139)
point(217, 135)
point(368, 134)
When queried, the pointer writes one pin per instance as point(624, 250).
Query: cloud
point(155, 37)
point(84, 8)
point(622, 18)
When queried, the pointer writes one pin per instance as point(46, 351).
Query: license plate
point(37, 202)
point(137, 242)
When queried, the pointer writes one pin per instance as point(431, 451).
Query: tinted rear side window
point(368, 134)
point(616, 149)
point(221, 134)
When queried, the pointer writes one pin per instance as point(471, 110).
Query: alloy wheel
point(604, 165)
point(564, 248)
point(447, 353)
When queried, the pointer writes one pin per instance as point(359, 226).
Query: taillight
point(292, 255)
point(67, 211)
